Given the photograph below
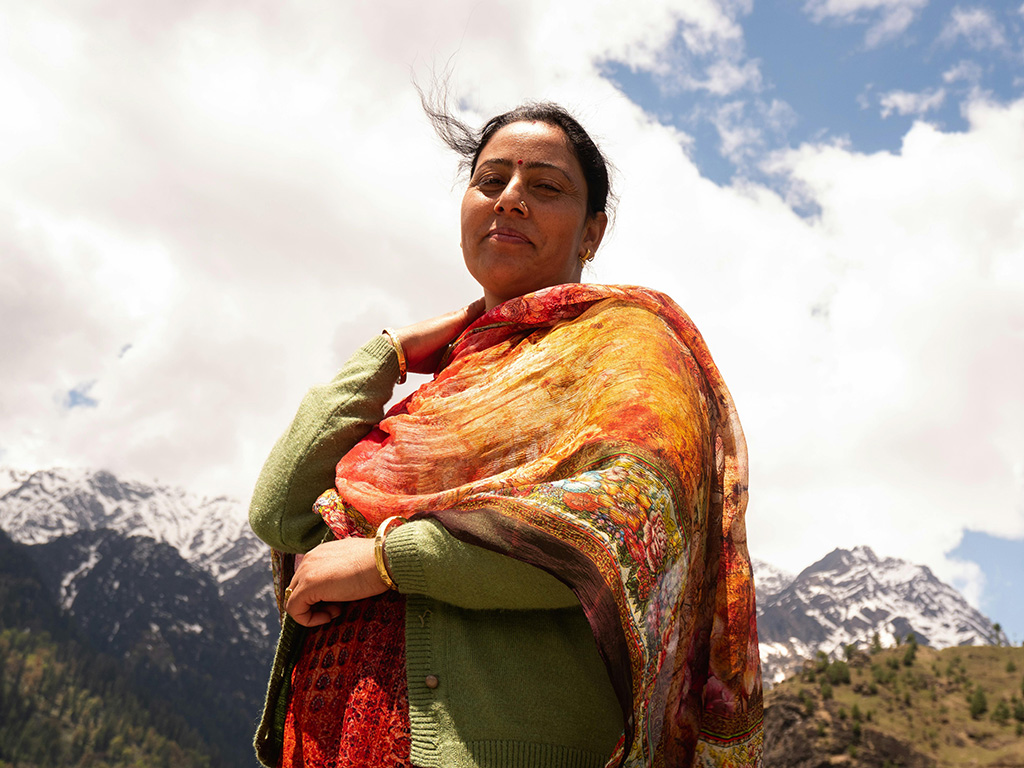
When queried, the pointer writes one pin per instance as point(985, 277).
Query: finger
point(294, 604)
point(474, 310)
point(312, 614)
point(322, 613)
point(288, 596)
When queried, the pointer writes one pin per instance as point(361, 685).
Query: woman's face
point(524, 221)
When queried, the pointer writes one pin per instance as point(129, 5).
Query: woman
point(572, 586)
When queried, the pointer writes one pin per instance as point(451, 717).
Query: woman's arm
point(424, 559)
point(331, 419)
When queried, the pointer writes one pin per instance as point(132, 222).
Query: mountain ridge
point(847, 597)
point(213, 532)
point(69, 697)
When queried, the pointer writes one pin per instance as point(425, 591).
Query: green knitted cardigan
point(520, 679)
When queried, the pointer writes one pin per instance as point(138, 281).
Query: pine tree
point(838, 672)
point(910, 654)
point(1001, 712)
point(876, 644)
point(979, 704)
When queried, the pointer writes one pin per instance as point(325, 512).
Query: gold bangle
point(378, 550)
point(397, 344)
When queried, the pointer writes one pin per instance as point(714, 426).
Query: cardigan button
point(431, 681)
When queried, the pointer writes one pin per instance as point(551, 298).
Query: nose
point(511, 200)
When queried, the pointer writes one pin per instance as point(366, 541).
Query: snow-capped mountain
point(848, 596)
point(212, 534)
point(844, 598)
point(768, 579)
point(162, 623)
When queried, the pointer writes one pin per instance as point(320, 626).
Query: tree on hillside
point(876, 643)
point(979, 704)
point(838, 672)
point(911, 653)
point(1001, 713)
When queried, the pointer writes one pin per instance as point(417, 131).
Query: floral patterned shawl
point(586, 430)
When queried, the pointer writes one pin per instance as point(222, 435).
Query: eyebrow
point(530, 164)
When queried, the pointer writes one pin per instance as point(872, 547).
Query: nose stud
point(521, 206)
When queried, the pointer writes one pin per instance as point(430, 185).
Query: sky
point(205, 207)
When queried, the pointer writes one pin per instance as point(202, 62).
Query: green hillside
point(904, 706)
point(63, 706)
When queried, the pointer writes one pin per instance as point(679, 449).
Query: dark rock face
point(170, 589)
point(795, 739)
point(165, 620)
point(24, 601)
point(790, 736)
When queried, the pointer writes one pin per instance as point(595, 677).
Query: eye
point(547, 187)
point(491, 182)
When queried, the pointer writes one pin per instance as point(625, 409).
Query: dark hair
point(469, 143)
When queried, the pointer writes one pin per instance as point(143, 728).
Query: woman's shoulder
point(638, 308)
point(635, 325)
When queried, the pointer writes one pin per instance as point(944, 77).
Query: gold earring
point(585, 257)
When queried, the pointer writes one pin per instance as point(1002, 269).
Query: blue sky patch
point(838, 79)
point(78, 397)
point(1002, 562)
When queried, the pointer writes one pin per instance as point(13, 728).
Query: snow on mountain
point(211, 533)
point(769, 580)
point(848, 596)
point(844, 598)
point(166, 620)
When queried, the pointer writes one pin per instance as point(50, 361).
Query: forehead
point(532, 142)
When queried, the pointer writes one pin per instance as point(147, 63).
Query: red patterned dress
point(349, 703)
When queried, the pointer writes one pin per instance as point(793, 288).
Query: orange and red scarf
point(586, 430)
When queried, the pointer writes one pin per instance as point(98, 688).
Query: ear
point(593, 232)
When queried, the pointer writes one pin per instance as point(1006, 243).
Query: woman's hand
point(424, 342)
point(331, 573)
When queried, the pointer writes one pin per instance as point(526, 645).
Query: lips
point(508, 235)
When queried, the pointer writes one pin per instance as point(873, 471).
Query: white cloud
point(905, 103)
point(742, 127)
point(887, 19)
point(892, 24)
point(724, 77)
point(925, 339)
point(739, 137)
point(976, 26)
point(244, 196)
point(688, 46)
point(245, 200)
point(968, 71)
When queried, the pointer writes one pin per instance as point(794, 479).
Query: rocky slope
point(847, 597)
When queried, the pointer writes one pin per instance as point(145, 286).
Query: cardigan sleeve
point(424, 559)
point(331, 419)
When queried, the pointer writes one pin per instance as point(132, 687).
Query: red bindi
point(520, 162)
